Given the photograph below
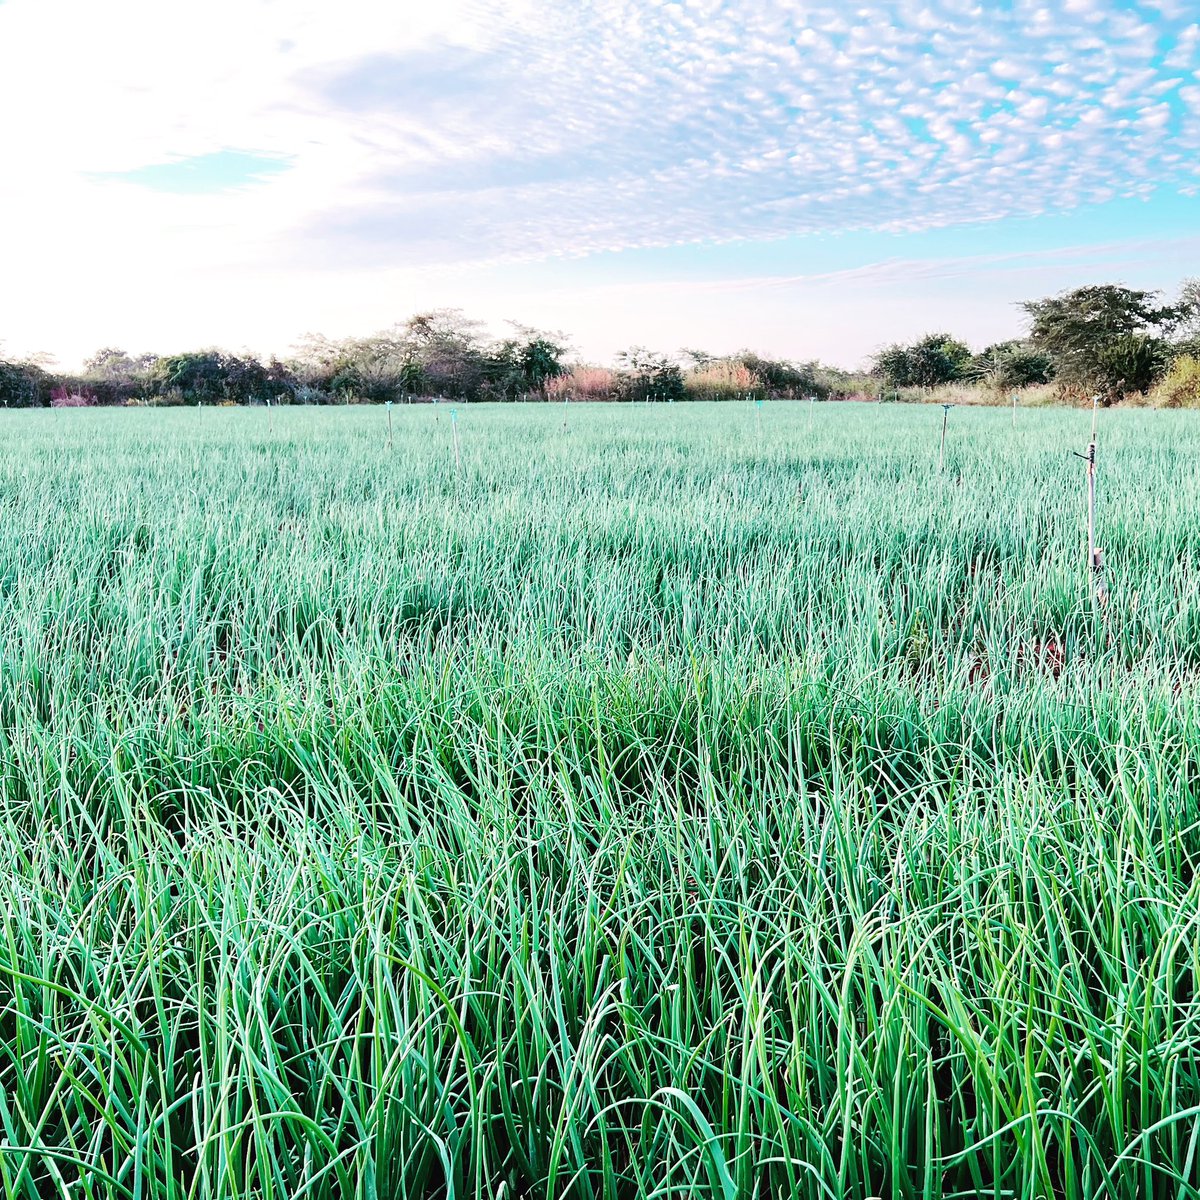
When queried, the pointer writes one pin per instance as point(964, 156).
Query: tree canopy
point(1104, 338)
point(937, 358)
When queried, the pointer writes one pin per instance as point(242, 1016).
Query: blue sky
point(810, 179)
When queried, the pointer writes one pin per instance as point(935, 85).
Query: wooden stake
point(945, 422)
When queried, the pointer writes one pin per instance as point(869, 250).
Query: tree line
point(440, 354)
point(1106, 340)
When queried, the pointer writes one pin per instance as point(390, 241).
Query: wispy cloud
point(475, 132)
point(202, 174)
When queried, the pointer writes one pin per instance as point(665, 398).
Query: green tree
point(1011, 364)
point(448, 346)
point(777, 377)
point(649, 376)
point(518, 365)
point(212, 376)
point(1133, 363)
point(541, 356)
point(23, 385)
point(196, 376)
point(1102, 338)
point(1185, 332)
point(937, 358)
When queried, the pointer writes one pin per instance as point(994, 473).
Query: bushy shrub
point(24, 385)
point(723, 379)
point(1131, 363)
point(648, 376)
point(212, 377)
point(306, 393)
point(936, 359)
point(782, 379)
point(1181, 387)
point(1011, 365)
point(832, 383)
point(62, 397)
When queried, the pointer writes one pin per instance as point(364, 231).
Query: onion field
point(643, 801)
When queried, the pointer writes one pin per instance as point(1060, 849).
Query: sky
point(809, 179)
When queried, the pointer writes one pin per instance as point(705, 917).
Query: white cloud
point(426, 137)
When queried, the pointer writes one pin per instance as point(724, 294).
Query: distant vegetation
point(1108, 340)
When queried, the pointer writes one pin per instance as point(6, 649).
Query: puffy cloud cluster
point(420, 137)
point(584, 127)
point(472, 130)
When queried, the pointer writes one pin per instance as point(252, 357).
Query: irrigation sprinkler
point(1014, 400)
point(1095, 414)
point(945, 423)
point(388, 405)
point(270, 417)
point(454, 429)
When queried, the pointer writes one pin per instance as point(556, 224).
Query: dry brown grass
point(719, 381)
point(582, 383)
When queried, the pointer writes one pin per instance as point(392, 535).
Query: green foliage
point(437, 353)
point(1105, 338)
point(1181, 386)
point(1131, 363)
point(540, 357)
point(1012, 364)
point(936, 359)
point(214, 377)
point(23, 385)
point(718, 377)
point(835, 384)
point(648, 808)
point(781, 379)
point(517, 366)
point(648, 375)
